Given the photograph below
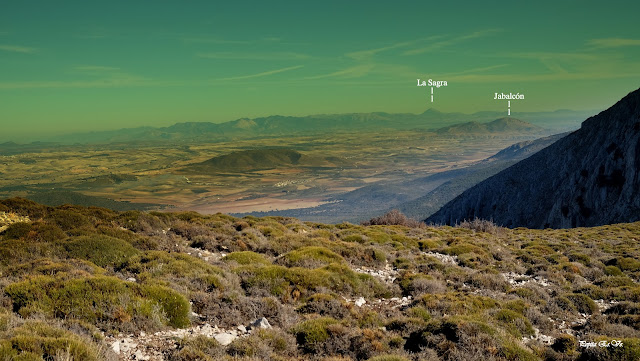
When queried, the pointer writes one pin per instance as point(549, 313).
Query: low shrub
point(310, 257)
point(583, 303)
point(36, 340)
point(101, 300)
point(394, 218)
point(247, 258)
point(101, 250)
point(312, 333)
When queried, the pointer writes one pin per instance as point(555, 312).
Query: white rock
point(131, 279)
point(360, 302)
point(261, 323)
point(116, 347)
point(242, 329)
point(140, 356)
point(225, 338)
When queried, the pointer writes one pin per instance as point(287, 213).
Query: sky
point(72, 66)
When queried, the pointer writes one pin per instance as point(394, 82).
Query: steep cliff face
point(590, 177)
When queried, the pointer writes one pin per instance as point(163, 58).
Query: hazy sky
point(78, 65)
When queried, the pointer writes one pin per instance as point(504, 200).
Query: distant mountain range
point(316, 124)
point(590, 177)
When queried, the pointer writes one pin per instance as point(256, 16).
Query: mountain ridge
point(279, 125)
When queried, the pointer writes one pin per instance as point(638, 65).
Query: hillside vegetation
point(77, 283)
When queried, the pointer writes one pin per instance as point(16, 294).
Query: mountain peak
point(432, 111)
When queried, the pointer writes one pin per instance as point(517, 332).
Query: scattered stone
point(116, 347)
point(444, 258)
point(360, 302)
point(225, 338)
point(261, 323)
point(131, 279)
point(242, 329)
point(519, 280)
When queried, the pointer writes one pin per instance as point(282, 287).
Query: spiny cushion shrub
point(18, 230)
point(36, 340)
point(101, 250)
point(189, 272)
point(312, 333)
point(246, 258)
point(583, 303)
point(174, 305)
point(102, 300)
point(310, 257)
point(198, 348)
point(279, 280)
point(263, 345)
point(325, 305)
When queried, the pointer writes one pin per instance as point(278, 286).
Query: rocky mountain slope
point(92, 284)
point(590, 177)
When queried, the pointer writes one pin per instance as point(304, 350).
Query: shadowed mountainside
point(588, 178)
point(428, 204)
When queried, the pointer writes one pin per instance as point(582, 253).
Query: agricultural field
point(229, 177)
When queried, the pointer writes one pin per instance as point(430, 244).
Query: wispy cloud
point(451, 41)
point(476, 70)
point(613, 43)
point(212, 40)
point(101, 83)
point(541, 55)
point(18, 49)
point(350, 72)
point(266, 73)
point(96, 68)
point(539, 77)
point(253, 56)
point(365, 54)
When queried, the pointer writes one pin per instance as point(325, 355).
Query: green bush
point(38, 341)
point(98, 300)
point(310, 334)
point(175, 306)
point(612, 271)
point(514, 322)
point(18, 230)
point(583, 303)
point(279, 280)
point(629, 264)
point(247, 258)
point(199, 348)
point(187, 271)
point(101, 250)
point(311, 257)
point(565, 344)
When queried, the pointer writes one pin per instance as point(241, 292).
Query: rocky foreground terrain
point(93, 284)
